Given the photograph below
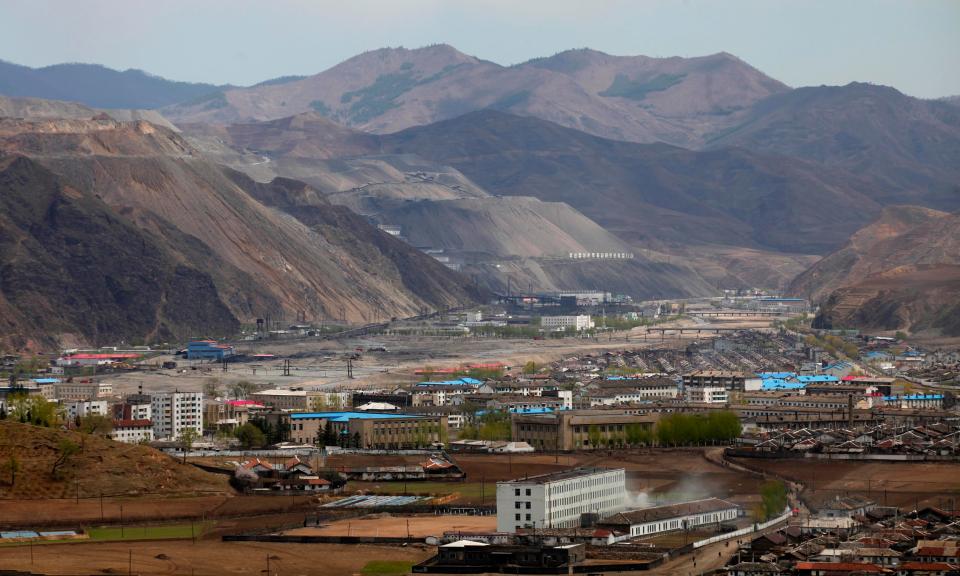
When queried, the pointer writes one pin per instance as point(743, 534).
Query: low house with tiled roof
point(838, 568)
point(912, 568)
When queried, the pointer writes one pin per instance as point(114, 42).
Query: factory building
point(208, 350)
point(567, 499)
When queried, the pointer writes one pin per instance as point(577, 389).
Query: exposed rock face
point(901, 272)
point(182, 247)
point(71, 266)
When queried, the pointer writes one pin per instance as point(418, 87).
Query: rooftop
point(345, 416)
point(657, 513)
point(560, 476)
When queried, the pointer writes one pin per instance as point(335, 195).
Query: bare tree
point(66, 449)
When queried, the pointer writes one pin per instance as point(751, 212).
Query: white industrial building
point(174, 412)
point(560, 499)
point(578, 323)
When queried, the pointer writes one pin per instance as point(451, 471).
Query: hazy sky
point(912, 45)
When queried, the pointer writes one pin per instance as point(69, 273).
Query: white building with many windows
point(560, 499)
point(132, 431)
point(173, 412)
point(707, 395)
point(85, 408)
point(682, 516)
point(578, 323)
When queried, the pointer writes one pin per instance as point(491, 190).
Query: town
point(722, 436)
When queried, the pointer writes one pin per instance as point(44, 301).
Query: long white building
point(578, 323)
point(174, 412)
point(560, 499)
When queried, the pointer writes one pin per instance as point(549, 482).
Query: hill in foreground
point(102, 466)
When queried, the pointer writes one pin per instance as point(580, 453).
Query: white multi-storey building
point(707, 395)
point(173, 412)
point(132, 431)
point(578, 323)
point(560, 499)
point(86, 408)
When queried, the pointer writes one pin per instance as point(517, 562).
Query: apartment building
point(132, 431)
point(707, 395)
point(174, 412)
point(560, 499)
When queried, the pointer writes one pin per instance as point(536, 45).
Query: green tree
point(900, 335)
point(773, 497)
point(593, 435)
point(530, 367)
point(250, 436)
point(11, 467)
point(187, 438)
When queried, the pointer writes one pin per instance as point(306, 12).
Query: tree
point(773, 497)
point(243, 388)
point(900, 335)
point(96, 424)
point(593, 434)
point(250, 436)
point(530, 367)
point(187, 438)
point(12, 466)
point(212, 388)
point(66, 449)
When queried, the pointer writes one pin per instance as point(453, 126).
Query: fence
point(743, 531)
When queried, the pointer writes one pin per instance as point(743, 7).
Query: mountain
point(867, 252)
point(676, 100)
point(900, 272)
point(98, 86)
point(496, 239)
point(33, 108)
point(651, 194)
point(909, 147)
point(70, 265)
point(162, 196)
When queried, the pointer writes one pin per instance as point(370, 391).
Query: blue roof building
point(208, 350)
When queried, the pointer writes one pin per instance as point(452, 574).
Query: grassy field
point(172, 531)
point(379, 567)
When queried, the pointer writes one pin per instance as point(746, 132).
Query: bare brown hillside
point(261, 261)
point(101, 466)
point(901, 272)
